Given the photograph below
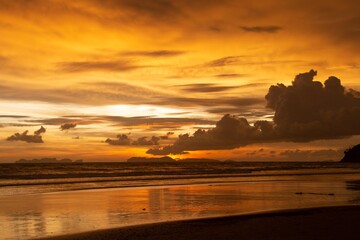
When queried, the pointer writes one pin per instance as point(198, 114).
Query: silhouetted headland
point(352, 154)
point(49, 160)
point(151, 160)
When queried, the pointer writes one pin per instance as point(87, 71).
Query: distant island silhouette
point(167, 159)
point(151, 160)
point(352, 154)
point(49, 160)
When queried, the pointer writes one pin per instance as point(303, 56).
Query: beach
point(93, 198)
point(312, 223)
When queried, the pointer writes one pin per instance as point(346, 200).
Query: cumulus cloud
point(261, 29)
point(229, 132)
point(36, 138)
point(307, 110)
point(67, 126)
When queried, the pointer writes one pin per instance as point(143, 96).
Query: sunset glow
point(164, 69)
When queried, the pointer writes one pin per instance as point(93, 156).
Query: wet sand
point(311, 223)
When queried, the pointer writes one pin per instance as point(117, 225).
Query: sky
point(245, 80)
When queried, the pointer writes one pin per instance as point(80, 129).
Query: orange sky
point(146, 68)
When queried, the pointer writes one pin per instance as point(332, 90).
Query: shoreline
point(203, 180)
point(331, 222)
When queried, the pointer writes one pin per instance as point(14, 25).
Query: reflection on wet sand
point(38, 215)
point(354, 185)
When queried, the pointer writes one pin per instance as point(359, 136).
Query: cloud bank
point(304, 111)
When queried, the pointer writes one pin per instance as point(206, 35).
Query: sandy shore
point(314, 223)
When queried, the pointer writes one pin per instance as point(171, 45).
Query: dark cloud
point(159, 53)
point(122, 139)
point(205, 87)
point(40, 131)
point(244, 60)
point(111, 66)
point(230, 60)
point(144, 141)
point(252, 85)
point(229, 132)
point(20, 125)
point(166, 136)
point(36, 138)
point(241, 102)
point(65, 122)
point(307, 110)
point(261, 29)
point(67, 126)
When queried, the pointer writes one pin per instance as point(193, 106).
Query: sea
point(42, 200)
point(30, 178)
